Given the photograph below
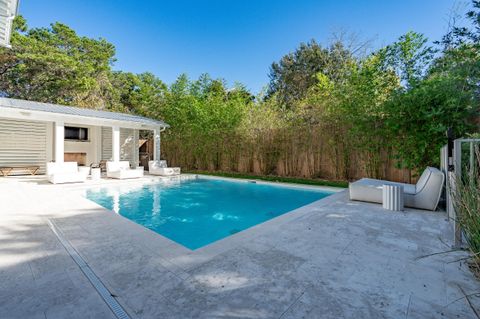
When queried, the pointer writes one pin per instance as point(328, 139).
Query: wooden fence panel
point(308, 153)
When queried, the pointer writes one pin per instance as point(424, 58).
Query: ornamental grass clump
point(467, 206)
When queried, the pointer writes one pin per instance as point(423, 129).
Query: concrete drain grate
point(112, 303)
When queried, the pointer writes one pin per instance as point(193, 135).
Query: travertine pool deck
point(331, 259)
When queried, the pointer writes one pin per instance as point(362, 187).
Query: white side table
point(393, 197)
point(95, 174)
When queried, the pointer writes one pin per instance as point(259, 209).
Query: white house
point(34, 133)
point(8, 10)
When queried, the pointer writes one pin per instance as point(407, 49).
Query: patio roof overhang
point(8, 10)
point(37, 111)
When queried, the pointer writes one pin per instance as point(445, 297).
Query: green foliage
point(204, 105)
point(409, 56)
point(460, 35)
point(466, 199)
point(446, 97)
point(354, 109)
point(431, 107)
point(56, 65)
point(295, 73)
point(141, 94)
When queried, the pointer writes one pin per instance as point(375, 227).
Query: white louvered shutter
point(23, 143)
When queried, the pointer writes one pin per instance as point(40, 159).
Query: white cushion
point(159, 168)
point(422, 181)
point(153, 165)
point(59, 168)
point(67, 172)
point(67, 178)
point(162, 164)
point(126, 173)
point(157, 164)
point(122, 170)
point(116, 166)
point(429, 188)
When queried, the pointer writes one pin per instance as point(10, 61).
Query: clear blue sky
point(235, 40)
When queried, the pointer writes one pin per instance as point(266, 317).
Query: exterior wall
point(24, 143)
point(106, 147)
point(128, 145)
point(136, 151)
point(89, 147)
point(50, 148)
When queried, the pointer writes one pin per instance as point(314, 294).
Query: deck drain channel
point(116, 308)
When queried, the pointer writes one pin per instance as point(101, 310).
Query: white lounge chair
point(122, 170)
point(424, 195)
point(161, 168)
point(67, 172)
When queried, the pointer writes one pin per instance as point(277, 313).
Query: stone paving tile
point(239, 282)
point(45, 282)
point(321, 301)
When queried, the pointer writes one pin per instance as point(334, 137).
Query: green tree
point(419, 118)
point(444, 94)
point(410, 57)
point(56, 65)
point(461, 35)
point(353, 109)
point(295, 73)
point(143, 93)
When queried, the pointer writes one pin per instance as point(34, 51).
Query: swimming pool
point(197, 212)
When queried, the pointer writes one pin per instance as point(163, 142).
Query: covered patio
point(34, 133)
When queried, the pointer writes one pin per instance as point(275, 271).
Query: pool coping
point(188, 259)
point(280, 184)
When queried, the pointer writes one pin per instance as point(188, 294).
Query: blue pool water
point(197, 212)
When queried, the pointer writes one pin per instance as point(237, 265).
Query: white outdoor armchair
point(161, 168)
point(66, 172)
point(424, 195)
point(122, 170)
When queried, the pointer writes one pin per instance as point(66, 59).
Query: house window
point(76, 133)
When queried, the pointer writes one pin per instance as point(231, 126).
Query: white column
point(156, 144)
point(136, 156)
point(59, 142)
point(115, 143)
point(97, 142)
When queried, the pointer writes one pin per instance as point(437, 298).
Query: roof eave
point(30, 110)
point(34, 115)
